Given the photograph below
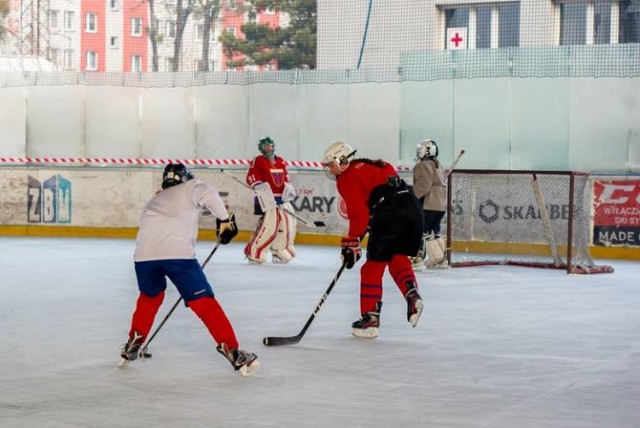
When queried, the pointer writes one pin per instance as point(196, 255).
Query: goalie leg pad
point(282, 245)
point(436, 255)
point(257, 248)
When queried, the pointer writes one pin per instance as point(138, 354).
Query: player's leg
point(258, 246)
point(282, 246)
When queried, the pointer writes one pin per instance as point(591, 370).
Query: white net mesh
point(528, 218)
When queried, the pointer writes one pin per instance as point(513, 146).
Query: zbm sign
point(49, 202)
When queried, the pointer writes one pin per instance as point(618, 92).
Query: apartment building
point(114, 35)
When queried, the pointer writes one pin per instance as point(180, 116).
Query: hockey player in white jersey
point(165, 248)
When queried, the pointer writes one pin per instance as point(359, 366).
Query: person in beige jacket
point(430, 188)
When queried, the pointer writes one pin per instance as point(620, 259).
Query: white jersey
point(169, 223)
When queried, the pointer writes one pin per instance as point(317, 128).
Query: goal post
point(521, 218)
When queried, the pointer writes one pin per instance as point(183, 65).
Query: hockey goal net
point(521, 218)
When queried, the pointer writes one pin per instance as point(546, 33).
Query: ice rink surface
point(496, 346)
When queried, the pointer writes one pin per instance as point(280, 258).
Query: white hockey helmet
point(338, 153)
point(427, 148)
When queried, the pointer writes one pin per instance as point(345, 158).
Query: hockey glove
point(351, 252)
point(227, 229)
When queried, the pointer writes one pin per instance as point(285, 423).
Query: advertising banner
point(115, 198)
point(616, 213)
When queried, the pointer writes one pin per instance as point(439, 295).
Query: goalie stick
point(292, 340)
point(143, 351)
point(455, 162)
point(291, 213)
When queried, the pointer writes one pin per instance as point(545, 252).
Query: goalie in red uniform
point(379, 202)
point(276, 230)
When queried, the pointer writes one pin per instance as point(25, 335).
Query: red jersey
point(355, 185)
point(263, 170)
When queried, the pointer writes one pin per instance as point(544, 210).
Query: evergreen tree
point(290, 47)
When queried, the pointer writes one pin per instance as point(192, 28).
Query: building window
point(54, 55)
point(231, 30)
point(91, 23)
point(92, 61)
point(68, 59)
point(488, 25)
point(592, 22)
point(169, 64)
point(602, 22)
point(573, 23)
point(136, 27)
point(509, 26)
point(136, 63)
point(113, 41)
point(68, 20)
point(53, 19)
point(113, 4)
point(483, 27)
point(170, 28)
point(630, 21)
point(231, 4)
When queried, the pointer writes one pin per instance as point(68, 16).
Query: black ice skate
point(367, 326)
point(130, 349)
point(245, 362)
point(414, 304)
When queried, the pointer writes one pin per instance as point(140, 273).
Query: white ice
point(496, 346)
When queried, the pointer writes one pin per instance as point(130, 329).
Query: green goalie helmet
point(267, 147)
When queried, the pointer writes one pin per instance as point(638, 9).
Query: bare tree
point(211, 11)
point(182, 15)
point(154, 35)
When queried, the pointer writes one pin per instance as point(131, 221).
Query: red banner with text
point(617, 212)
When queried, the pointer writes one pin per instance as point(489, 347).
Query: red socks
point(144, 314)
point(212, 315)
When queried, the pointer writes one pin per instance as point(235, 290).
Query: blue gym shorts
point(186, 275)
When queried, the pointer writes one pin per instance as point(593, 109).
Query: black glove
point(227, 229)
point(351, 252)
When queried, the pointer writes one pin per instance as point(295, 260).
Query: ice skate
point(277, 260)
point(367, 326)
point(414, 304)
point(130, 349)
point(244, 362)
point(417, 263)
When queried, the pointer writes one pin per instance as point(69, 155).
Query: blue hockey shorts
point(186, 275)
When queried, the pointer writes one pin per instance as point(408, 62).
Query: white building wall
point(114, 28)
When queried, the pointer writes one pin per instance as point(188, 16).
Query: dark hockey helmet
point(174, 174)
point(267, 147)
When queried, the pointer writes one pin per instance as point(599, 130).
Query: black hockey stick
point(291, 213)
point(292, 340)
point(143, 352)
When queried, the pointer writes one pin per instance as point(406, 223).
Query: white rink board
point(115, 198)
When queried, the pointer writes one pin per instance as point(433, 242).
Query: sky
point(495, 347)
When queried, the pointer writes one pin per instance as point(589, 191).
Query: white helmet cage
point(337, 152)
point(427, 148)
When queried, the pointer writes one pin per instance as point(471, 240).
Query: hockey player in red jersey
point(379, 202)
point(276, 230)
point(165, 248)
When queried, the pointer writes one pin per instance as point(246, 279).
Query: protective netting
point(165, 43)
point(528, 218)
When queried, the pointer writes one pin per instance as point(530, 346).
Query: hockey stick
point(291, 213)
point(143, 351)
point(292, 340)
point(455, 162)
